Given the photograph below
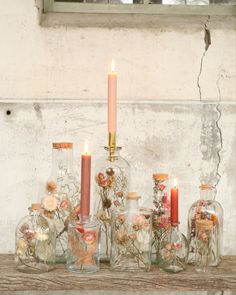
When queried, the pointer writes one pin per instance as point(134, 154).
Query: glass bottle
point(203, 242)
point(174, 250)
point(161, 214)
point(206, 209)
point(112, 184)
point(61, 203)
point(83, 241)
point(131, 237)
point(35, 243)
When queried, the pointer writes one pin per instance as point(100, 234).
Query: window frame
point(50, 6)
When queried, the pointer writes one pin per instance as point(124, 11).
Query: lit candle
point(174, 204)
point(112, 85)
point(85, 181)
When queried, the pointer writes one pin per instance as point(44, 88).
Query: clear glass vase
point(83, 241)
point(61, 203)
point(174, 251)
point(203, 242)
point(112, 184)
point(35, 243)
point(206, 209)
point(161, 214)
point(131, 237)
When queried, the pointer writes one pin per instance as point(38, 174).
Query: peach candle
point(112, 90)
point(85, 181)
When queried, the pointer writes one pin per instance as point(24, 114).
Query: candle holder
point(206, 209)
point(174, 251)
point(161, 214)
point(112, 184)
point(83, 241)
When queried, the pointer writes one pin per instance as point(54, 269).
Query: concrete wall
point(160, 76)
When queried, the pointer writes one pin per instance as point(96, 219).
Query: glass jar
point(112, 183)
point(35, 243)
point(174, 251)
point(203, 242)
point(61, 203)
point(83, 241)
point(131, 237)
point(206, 209)
point(161, 214)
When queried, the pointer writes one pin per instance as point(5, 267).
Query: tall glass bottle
point(206, 209)
point(161, 213)
point(61, 203)
point(112, 184)
point(131, 237)
point(35, 243)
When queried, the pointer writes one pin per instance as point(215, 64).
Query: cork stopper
point(62, 145)
point(205, 186)
point(132, 196)
point(204, 224)
point(36, 206)
point(160, 176)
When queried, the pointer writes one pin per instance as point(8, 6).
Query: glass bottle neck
point(62, 162)
point(132, 205)
point(206, 195)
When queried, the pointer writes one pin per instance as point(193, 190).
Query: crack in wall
point(207, 41)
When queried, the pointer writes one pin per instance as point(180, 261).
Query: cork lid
point(160, 176)
point(204, 224)
point(205, 186)
point(36, 206)
point(133, 196)
point(62, 145)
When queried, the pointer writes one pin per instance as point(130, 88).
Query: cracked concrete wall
point(153, 63)
point(190, 141)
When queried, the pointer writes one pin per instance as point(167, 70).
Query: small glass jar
point(83, 241)
point(61, 202)
point(35, 243)
point(131, 237)
point(203, 249)
point(161, 214)
point(174, 251)
point(206, 209)
point(112, 184)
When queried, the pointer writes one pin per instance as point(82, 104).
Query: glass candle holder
point(83, 241)
point(203, 250)
point(131, 237)
point(112, 183)
point(161, 214)
point(35, 243)
point(174, 251)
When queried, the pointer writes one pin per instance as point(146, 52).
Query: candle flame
point(112, 65)
point(175, 182)
point(86, 147)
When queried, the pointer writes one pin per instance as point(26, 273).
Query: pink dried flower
point(163, 221)
point(50, 203)
point(202, 236)
point(120, 194)
point(161, 187)
point(28, 235)
point(164, 198)
point(116, 203)
point(24, 227)
point(176, 246)
point(89, 237)
point(64, 204)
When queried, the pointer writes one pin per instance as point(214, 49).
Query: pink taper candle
point(174, 204)
point(112, 85)
point(85, 181)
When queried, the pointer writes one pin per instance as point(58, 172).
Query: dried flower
point(161, 187)
point(202, 236)
point(120, 194)
point(165, 254)
point(214, 218)
point(107, 203)
point(40, 236)
point(28, 235)
point(133, 236)
point(110, 171)
point(103, 216)
point(121, 236)
point(21, 247)
point(50, 203)
point(89, 237)
point(24, 227)
point(163, 221)
point(51, 186)
point(64, 204)
point(176, 246)
point(116, 203)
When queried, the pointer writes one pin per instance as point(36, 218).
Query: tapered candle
point(85, 181)
point(174, 197)
point(112, 92)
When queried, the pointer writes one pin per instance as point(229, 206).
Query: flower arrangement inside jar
point(131, 237)
point(161, 214)
point(83, 241)
point(35, 243)
point(112, 181)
